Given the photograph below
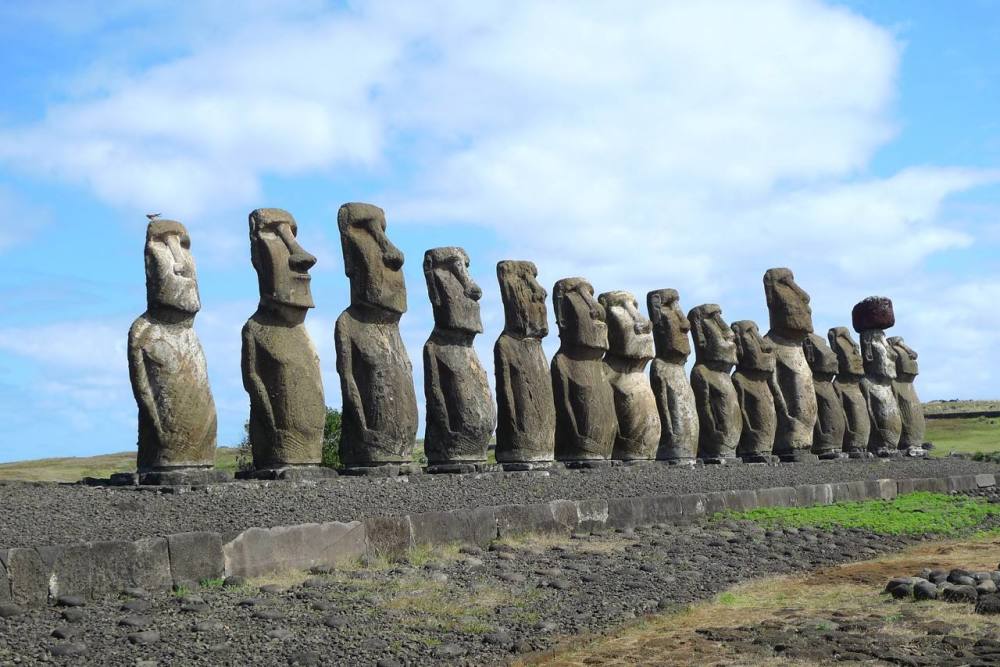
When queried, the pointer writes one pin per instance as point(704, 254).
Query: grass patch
point(211, 583)
point(914, 513)
point(75, 468)
point(965, 435)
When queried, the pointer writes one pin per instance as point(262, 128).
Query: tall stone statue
point(526, 425)
point(752, 380)
point(910, 408)
point(586, 424)
point(630, 348)
point(719, 419)
point(870, 318)
point(831, 423)
point(792, 384)
point(850, 372)
point(379, 423)
point(668, 379)
point(280, 365)
point(177, 420)
point(460, 412)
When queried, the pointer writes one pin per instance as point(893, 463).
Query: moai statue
point(460, 412)
point(280, 365)
point(719, 419)
point(379, 423)
point(910, 408)
point(669, 381)
point(630, 348)
point(870, 318)
point(850, 372)
point(586, 424)
point(526, 428)
point(831, 422)
point(792, 383)
point(752, 380)
point(177, 420)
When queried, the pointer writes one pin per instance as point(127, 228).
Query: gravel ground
point(468, 606)
point(44, 513)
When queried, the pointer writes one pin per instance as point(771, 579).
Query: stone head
point(906, 359)
point(670, 325)
point(847, 351)
point(879, 357)
point(753, 352)
point(171, 281)
point(523, 299)
point(454, 294)
point(787, 304)
point(821, 358)
point(281, 263)
point(372, 263)
point(580, 318)
point(713, 339)
point(630, 334)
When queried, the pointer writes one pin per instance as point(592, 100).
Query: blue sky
point(642, 145)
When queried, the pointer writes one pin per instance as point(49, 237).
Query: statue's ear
point(432, 283)
point(697, 332)
point(866, 349)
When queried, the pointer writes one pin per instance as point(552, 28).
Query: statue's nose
point(474, 292)
point(392, 257)
point(301, 261)
point(643, 327)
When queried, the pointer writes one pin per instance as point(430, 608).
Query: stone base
point(635, 462)
point(860, 455)
point(290, 473)
point(798, 456)
point(189, 477)
point(721, 461)
point(461, 468)
point(117, 479)
point(832, 456)
point(888, 453)
point(588, 464)
point(915, 452)
point(386, 470)
point(686, 463)
point(760, 459)
point(527, 466)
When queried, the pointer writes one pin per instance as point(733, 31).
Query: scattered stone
point(336, 621)
point(988, 604)
point(72, 615)
point(269, 614)
point(9, 610)
point(135, 621)
point(306, 659)
point(272, 589)
point(234, 581)
point(208, 626)
point(138, 606)
point(959, 594)
point(449, 651)
point(280, 634)
point(67, 631)
point(137, 593)
point(925, 590)
point(70, 601)
point(144, 638)
point(68, 649)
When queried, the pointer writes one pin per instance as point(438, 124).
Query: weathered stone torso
point(678, 414)
point(379, 422)
point(857, 426)
point(831, 424)
point(883, 410)
point(177, 379)
point(527, 421)
point(795, 400)
point(757, 408)
point(288, 367)
point(638, 422)
point(911, 412)
point(719, 419)
point(585, 409)
point(460, 412)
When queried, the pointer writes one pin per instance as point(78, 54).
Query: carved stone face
point(170, 274)
point(847, 351)
point(629, 332)
point(821, 359)
point(906, 358)
point(523, 299)
point(579, 316)
point(373, 264)
point(878, 355)
point(281, 263)
point(713, 339)
point(454, 294)
point(787, 304)
point(670, 326)
point(752, 351)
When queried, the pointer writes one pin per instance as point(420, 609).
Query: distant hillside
point(957, 407)
point(75, 468)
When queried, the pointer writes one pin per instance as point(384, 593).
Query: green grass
point(966, 435)
point(75, 468)
point(913, 513)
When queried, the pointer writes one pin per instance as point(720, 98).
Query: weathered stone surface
point(558, 517)
point(630, 348)
point(195, 556)
point(473, 526)
point(29, 579)
point(831, 422)
point(850, 372)
point(719, 419)
point(873, 312)
point(4, 581)
point(911, 410)
point(880, 396)
point(388, 536)
point(260, 551)
point(379, 424)
point(792, 384)
point(668, 379)
point(752, 380)
point(586, 424)
point(460, 412)
point(279, 361)
point(526, 424)
point(177, 419)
